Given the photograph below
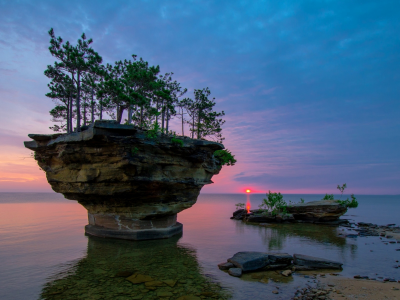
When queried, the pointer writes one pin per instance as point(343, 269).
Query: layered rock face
point(129, 183)
point(322, 210)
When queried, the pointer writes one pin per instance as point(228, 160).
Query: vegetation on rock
point(84, 89)
point(225, 157)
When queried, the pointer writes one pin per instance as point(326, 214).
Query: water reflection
point(102, 273)
point(275, 236)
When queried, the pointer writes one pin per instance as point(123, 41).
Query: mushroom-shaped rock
point(133, 186)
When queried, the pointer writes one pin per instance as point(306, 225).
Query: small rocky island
point(322, 211)
point(133, 186)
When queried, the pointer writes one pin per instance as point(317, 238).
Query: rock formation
point(132, 186)
point(312, 212)
point(320, 211)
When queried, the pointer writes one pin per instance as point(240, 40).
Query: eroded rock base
point(135, 234)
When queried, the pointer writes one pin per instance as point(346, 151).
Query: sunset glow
point(248, 191)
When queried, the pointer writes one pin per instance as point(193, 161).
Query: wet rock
point(249, 261)
point(260, 218)
point(189, 297)
point(124, 274)
point(286, 273)
point(279, 258)
point(225, 266)
point(257, 276)
point(302, 268)
point(239, 214)
point(170, 282)
point(276, 267)
point(99, 272)
point(275, 292)
point(164, 294)
point(236, 272)
point(138, 278)
point(322, 211)
point(153, 283)
point(264, 280)
point(315, 262)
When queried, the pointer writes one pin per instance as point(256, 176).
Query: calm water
point(45, 254)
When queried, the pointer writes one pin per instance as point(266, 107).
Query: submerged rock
point(225, 266)
point(132, 186)
point(315, 262)
point(236, 272)
point(323, 210)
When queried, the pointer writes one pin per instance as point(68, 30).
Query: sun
point(248, 191)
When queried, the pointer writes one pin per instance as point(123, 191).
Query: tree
point(204, 120)
point(62, 91)
point(76, 61)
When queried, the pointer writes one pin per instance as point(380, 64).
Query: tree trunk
point(129, 114)
point(101, 109)
point(198, 126)
point(162, 117)
point(183, 133)
point(157, 111)
point(120, 110)
point(78, 104)
point(167, 125)
point(193, 130)
point(92, 106)
point(141, 116)
point(68, 115)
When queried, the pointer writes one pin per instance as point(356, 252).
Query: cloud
point(305, 86)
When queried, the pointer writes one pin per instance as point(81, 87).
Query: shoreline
point(331, 287)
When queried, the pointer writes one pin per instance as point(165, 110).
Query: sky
point(310, 89)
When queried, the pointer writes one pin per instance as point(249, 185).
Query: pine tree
point(76, 61)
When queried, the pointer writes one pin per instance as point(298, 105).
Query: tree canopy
point(84, 90)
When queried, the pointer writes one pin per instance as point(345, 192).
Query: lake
point(44, 252)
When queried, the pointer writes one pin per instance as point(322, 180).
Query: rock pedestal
point(133, 186)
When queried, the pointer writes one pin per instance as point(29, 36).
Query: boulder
point(322, 211)
point(286, 273)
point(239, 214)
point(249, 261)
point(236, 272)
point(132, 185)
point(225, 266)
point(279, 258)
point(315, 262)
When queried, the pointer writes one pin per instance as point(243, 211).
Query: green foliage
point(275, 203)
point(341, 189)
point(152, 133)
point(353, 203)
point(328, 197)
point(176, 141)
point(225, 157)
point(83, 89)
point(134, 150)
point(302, 200)
point(240, 206)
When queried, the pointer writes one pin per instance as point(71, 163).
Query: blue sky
point(310, 88)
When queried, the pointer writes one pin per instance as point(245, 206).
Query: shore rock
point(322, 211)
point(315, 262)
point(236, 272)
point(269, 218)
point(225, 266)
point(249, 261)
point(126, 181)
point(279, 258)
